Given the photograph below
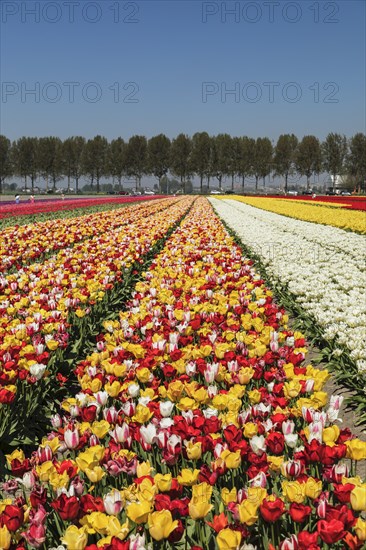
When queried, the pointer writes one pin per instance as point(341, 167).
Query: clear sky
point(119, 68)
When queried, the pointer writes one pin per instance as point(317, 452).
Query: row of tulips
point(26, 243)
point(9, 211)
point(303, 263)
point(351, 220)
point(197, 425)
point(89, 208)
point(354, 202)
point(36, 301)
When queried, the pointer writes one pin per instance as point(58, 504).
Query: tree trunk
point(286, 176)
point(68, 183)
point(242, 181)
point(256, 182)
point(46, 183)
point(307, 182)
point(208, 181)
point(264, 181)
point(232, 182)
point(120, 183)
point(98, 184)
point(77, 184)
point(201, 182)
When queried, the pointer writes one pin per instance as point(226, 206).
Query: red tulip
point(272, 510)
point(330, 531)
point(12, 517)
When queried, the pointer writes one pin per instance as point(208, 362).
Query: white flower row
point(324, 268)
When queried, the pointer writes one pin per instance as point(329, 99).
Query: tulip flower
point(5, 538)
point(71, 438)
point(75, 538)
point(227, 539)
point(161, 524)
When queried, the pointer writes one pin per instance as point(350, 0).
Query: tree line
point(210, 158)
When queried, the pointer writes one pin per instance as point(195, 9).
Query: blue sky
point(143, 67)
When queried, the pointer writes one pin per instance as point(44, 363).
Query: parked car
point(345, 193)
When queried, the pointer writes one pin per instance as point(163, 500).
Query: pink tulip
point(290, 543)
point(71, 438)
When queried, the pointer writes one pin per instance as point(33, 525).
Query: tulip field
point(155, 391)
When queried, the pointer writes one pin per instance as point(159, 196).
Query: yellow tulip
point(256, 495)
point(254, 396)
point(163, 482)
point(294, 491)
point(5, 538)
point(250, 430)
point(143, 375)
point(147, 490)
point(115, 529)
point(358, 498)
point(52, 344)
point(331, 434)
point(74, 538)
point(313, 488)
point(227, 539)
point(356, 449)
point(292, 389)
point(101, 428)
point(186, 404)
point(161, 524)
point(45, 470)
point(245, 375)
point(15, 455)
point(143, 469)
point(199, 510)
point(194, 450)
point(113, 389)
point(232, 460)
point(95, 474)
point(142, 414)
point(360, 529)
point(139, 511)
point(96, 522)
point(58, 481)
point(188, 477)
point(248, 512)
point(275, 462)
point(175, 390)
point(356, 481)
point(228, 496)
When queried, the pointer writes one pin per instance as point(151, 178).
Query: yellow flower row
point(353, 220)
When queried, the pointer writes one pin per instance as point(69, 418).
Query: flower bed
point(56, 205)
point(323, 271)
point(353, 202)
point(36, 301)
point(25, 243)
point(197, 425)
point(337, 217)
